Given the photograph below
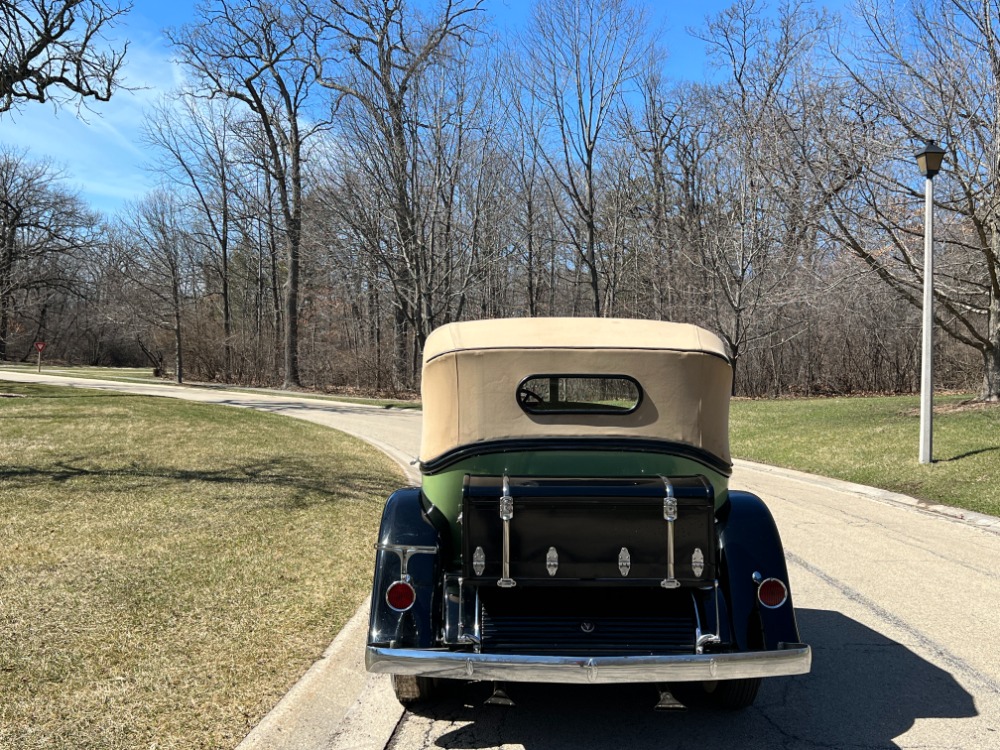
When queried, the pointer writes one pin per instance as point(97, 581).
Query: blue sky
point(101, 153)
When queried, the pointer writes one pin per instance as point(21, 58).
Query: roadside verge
point(327, 706)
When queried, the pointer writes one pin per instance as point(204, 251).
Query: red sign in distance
point(39, 346)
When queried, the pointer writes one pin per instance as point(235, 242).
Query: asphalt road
point(900, 603)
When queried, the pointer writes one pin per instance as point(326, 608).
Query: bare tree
point(654, 146)
point(54, 50)
point(752, 248)
point(929, 69)
point(154, 251)
point(581, 56)
point(42, 224)
point(260, 229)
point(533, 231)
point(255, 54)
point(387, 70)
point(197, 141)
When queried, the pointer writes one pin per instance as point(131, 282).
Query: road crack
point(927, 643)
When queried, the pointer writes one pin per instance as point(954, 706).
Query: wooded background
point(340, 178)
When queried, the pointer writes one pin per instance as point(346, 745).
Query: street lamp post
point(929, 160)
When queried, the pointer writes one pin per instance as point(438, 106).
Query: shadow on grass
point(865, 690)
point(317, 405)
point(55, 393)
point(970, 454)
point(298, 477)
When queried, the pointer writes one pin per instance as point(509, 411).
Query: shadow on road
point(864, 691)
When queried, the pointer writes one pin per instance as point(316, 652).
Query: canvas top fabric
point(472, 371)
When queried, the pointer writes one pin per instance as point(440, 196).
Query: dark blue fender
point(750, 543)
point(406, 524)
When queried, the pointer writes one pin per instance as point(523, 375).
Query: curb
point(325, 694)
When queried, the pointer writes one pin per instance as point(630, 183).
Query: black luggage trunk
point(589, 531)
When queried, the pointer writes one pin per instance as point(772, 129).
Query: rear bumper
point(789, 659)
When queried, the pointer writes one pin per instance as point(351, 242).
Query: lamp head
point(929, 159)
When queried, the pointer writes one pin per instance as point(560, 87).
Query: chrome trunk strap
point(670, 516)
point(506, 514)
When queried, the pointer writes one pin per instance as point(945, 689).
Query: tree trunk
point(6, 282)
point(178, 343)
point(991, 354)
point(4, 323)
point(272, 245)
point(399, 350)
point(991, 375)
point(39, 332)
point(530, 217)
point(227, 314)
point(292, 308)
point(591, 258)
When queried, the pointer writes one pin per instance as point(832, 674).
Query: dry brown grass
point(168, 570)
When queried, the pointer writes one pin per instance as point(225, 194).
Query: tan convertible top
point(472, 371)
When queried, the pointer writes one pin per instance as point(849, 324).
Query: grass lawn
point(874, 441)
point(168, 569)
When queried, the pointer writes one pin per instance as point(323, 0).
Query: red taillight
point(400, 596)
point(772, 593)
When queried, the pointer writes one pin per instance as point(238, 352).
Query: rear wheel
point(411, 690)
point(732, 695)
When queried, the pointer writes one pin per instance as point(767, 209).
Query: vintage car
point(574, 522)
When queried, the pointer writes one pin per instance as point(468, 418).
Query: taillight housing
point(400, 596)
point(772, 593)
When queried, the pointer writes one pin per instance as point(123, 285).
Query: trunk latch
point(670, 516)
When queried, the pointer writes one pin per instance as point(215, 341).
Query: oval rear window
point(579, 394)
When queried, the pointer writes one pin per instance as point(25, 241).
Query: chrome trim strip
point(718, 618)
point(703, 639)
point(409, 549)
point(791, 659)
point(461, 609)
point(404, 552)
point(697, 626)
point(477, 632)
